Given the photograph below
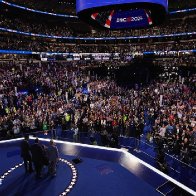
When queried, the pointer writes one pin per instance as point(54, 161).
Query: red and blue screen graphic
point(121, 19)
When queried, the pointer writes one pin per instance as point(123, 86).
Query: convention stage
point(102, 172)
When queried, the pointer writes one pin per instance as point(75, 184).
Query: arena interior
point(97, 98)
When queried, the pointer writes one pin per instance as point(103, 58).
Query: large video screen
point(88, 4)
point(120, 19)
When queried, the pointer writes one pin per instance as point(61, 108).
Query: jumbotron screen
point(119, 14)
point(119, 19)
point(87, 4)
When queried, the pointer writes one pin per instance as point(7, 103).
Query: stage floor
point(102, 172)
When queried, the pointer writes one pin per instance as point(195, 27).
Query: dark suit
point(26, 155)
point(37, 157)
point(53, 156)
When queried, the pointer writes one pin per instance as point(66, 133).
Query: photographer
point(160, 154)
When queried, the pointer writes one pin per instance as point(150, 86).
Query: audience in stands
point(41, 96)
point(56, 28)
point(38, 97)
point(61, 7)
point(44, 45)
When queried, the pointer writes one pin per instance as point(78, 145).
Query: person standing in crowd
point(45, 126)
point(53, 129)
point(75, 135)
point(37, 157)
point(137, 136)
point(53, 156)
point(26, 154)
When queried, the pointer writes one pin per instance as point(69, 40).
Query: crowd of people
point(56, 28)
point(44, 45)
point(183, 61)
point(181, 4)
point(54, 6)
point(38, 97)
point(44, 95)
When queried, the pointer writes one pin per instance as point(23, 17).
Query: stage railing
point(177, 169)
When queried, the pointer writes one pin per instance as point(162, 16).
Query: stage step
point(167, 188)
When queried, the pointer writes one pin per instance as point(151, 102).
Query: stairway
point(167, 188)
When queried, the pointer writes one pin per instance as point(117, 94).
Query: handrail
point(170, 156)
point(180, 161)
point(165, 153)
